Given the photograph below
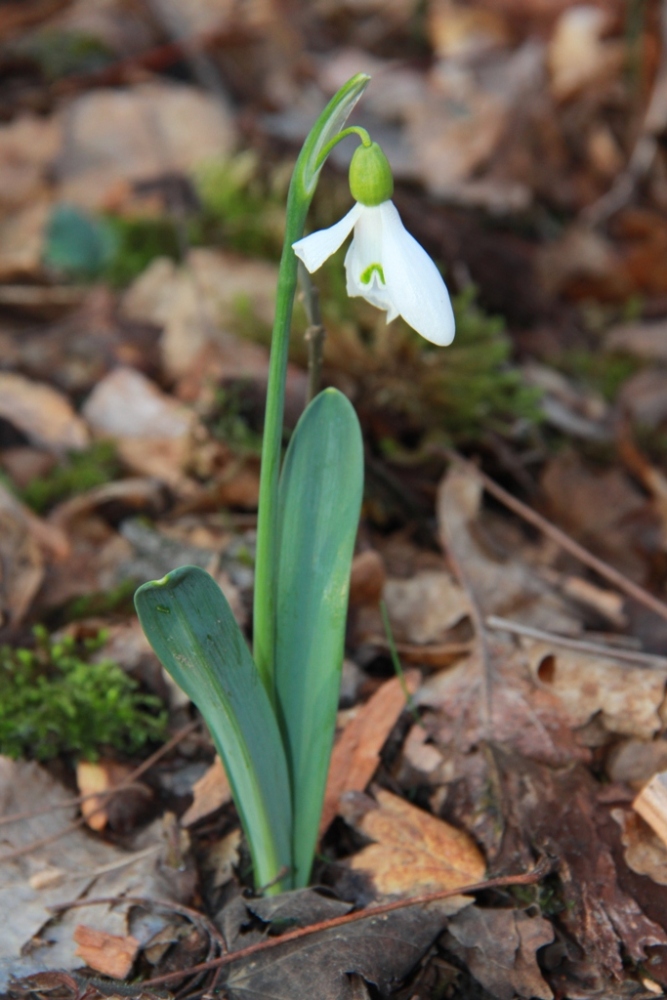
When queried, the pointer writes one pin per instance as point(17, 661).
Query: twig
point(315, 335)
point(595, 649)
point(543, 869)
point(397, 665)
point(602, 568)
point(104, 798)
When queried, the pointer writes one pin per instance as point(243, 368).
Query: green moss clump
point(243, 206)
point(78, 472)
point(137, 242)
point(59, 53)
point(603, 372)
point(53, 700)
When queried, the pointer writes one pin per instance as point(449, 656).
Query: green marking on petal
point(367, 275)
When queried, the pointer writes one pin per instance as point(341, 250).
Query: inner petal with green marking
point(367, 275)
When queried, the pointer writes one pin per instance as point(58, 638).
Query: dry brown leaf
point(42, 413)
point(211, 792)
point(22, 242)
point(140, 495)
point(98, 778)
point(21, 559)
point(356, 753)
point(223, 857)
point(635, 761)
point(644, 851)
point(628, 698)
point(414, 851)
point(424, 608)
point(129, 134)
point(578, 56)
point(499, 947)
point(28, 146)
point(651, 804)
point(367, 578)
point(152, 430)
point(109, 954)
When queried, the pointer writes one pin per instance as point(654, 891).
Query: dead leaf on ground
point(499, 947)
point(42, 413)
point(424, 608)
point(111, 954)
point(414, 852)
point(64, 868)
point(328, 958)
point(125, 809)
point(628, 697)
point(508, 587)
point(644, 851)
point(211, 792)
point(22, 563)
point(356, 753)
point(152, 431)
point(137, 133)
point(635, 761)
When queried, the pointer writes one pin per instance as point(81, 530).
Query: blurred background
point(145, 151)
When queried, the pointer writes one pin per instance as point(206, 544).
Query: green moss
point(243, 206)
point(231, 420)
point(139, 241)
point(54, 700)
point(601, 371)
point(60, 53)
point(79, 471)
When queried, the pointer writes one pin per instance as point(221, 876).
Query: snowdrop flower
point(384, 264)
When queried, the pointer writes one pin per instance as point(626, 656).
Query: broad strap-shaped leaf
point(190, 625)
point(320, 499)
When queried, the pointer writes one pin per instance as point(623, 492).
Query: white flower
point(386, 266)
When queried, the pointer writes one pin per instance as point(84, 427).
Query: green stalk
point(321, 139)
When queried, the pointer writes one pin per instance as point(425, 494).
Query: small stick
point(602, 568)
point(315, 334)
point(582, 646)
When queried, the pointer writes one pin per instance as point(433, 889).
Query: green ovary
point(367, 275)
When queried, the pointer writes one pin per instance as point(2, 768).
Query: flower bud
point(371, 180)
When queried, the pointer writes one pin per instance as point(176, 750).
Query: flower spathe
point(386, 266)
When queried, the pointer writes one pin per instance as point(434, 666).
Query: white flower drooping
point(384, 264)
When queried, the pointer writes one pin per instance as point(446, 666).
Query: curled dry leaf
point(627, 697)
point(42, 413)
point(644, 851)
point(21, 559)
point(111, 954)
point(414, 852)
point(356, 753)
point(424, 608)
point(499, 947)
point(211, 792)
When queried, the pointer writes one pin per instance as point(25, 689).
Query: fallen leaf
point(413, 851)
point(356, 753)
point(135, 133)
point(109, 954)
point(635, 761)
point(644, 851)
point(651, 804)
point(22, 564)
point(578, 56)
point(28, 146)
point(499, 947)
point(424, 608)
point(211, 792)
point(22, 236)
point(66, 866)
point(367, 578)
point(628, 697)
point(98, 777)
point(508, 587)
point(151, 429)
point(647, 341)
point(328, 958)
point(223, 858)
point(42, 413)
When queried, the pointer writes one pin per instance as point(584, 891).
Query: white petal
point(414, 284)
point(313, 250)
point(374, 292)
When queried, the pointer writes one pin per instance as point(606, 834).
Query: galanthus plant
point(272, 715)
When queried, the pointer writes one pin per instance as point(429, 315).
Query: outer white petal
point(414, 283)
point(313, 250)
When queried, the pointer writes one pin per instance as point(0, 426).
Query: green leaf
point(191, 627)
point(77, 243)
point(329, 124)
point(319, 503)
